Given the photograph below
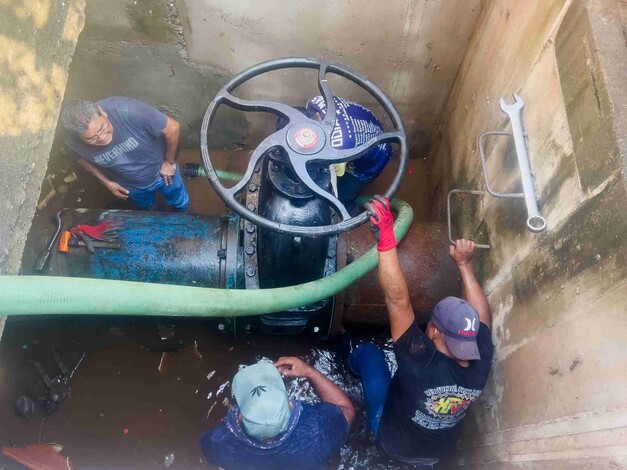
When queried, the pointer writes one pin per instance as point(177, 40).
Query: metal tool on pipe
point(43, 258)
point(535, 222)
point(97, 244)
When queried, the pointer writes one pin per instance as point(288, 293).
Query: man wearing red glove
point(414, 415)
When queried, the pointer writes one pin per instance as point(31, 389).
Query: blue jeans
point(368, 362)
point(175, 195)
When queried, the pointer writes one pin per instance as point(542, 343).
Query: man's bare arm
point(116, 189)
point(396, 293)
point(462, 253)
point(171, 132)
point(391, 277)
point(326, 390)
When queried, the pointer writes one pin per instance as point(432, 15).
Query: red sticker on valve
point(306, 138)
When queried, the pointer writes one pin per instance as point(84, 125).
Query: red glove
point(106, 231)
point(382, 223)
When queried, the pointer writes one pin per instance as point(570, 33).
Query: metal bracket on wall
point(535, 222)
point(448, 212)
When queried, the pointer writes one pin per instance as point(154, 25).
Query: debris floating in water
point(25, 406)
point(222, 387)
point(168, 459)
point(70, 178)
point(211, 408)
point(44, 202)
point(195, 350)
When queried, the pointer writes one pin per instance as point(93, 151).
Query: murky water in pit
point(132, 405)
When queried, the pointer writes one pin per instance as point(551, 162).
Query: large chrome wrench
point(535, 222)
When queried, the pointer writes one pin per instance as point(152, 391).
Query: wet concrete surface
point(132, 405)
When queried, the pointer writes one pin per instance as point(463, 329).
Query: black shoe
point(344, 348)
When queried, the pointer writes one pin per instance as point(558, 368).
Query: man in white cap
point(441, 372)
point(267, 430)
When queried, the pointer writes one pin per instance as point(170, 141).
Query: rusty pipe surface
point(430, 272)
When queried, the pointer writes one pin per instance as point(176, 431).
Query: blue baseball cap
point(262, 399)
point(459, 322)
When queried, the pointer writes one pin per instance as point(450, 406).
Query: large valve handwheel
point(303, 140)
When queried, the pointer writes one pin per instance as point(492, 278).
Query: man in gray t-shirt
point(129, 146)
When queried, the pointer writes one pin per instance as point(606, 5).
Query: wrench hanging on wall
point(535, 222)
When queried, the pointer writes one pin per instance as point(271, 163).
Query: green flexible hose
point(34, 295)
point(222, 174)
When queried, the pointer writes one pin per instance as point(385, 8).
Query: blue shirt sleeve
point(143, 115)
point(334, 428)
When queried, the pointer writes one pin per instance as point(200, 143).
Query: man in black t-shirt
point(415, 414)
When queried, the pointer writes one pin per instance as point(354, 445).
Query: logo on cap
point(470, 329)
point(257, 390)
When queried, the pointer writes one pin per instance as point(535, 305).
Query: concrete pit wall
point(176, 54)
point(554, 398)
point(136, 48)
point(411, 49)
point(37, 40)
